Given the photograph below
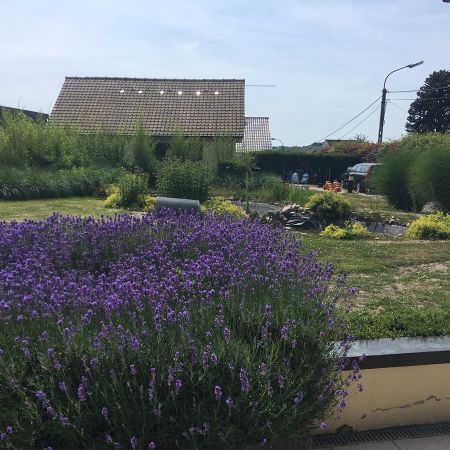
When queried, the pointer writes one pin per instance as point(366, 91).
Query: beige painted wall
point(398, 396)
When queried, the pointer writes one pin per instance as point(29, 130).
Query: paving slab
point(428, 443)
point(385, 445)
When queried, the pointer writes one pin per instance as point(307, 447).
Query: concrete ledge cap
point(401, 352)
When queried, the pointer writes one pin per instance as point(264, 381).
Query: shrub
point(329, 207)
point(185, 148)
point(183, 179)
point(219, 205)
point(143, 151)
point(180, 329)
point(392, 180)
point(131, 190)
point(430, 177)
point(349, 231)
point(37, 184)
point(433, 226)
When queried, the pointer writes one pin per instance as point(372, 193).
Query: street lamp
point(383, 99)
point(281, 142)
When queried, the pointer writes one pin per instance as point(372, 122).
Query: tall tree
point(430, 111)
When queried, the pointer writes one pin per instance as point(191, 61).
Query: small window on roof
point(140, 91)
point(197, 93)
point(180, 92)
point(161, 92)
point(216, 93)
point(122, 91)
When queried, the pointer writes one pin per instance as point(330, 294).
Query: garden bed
point(171, 329)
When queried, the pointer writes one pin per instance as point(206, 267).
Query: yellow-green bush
point(221, 206)
point(350, 231)
point(328, 206)
point(149, 203)
point(433, 226)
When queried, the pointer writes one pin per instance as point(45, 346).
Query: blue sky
point(327, 58)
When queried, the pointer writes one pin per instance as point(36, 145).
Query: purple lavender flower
point(218, 392)
point(63, 386)
point(178, 385)
point(151, 446)
point(298, 398)
point(133, 442)
point(40, 395)
point(227, 334)
point(81, 392)
point(245, 384)
point(323, 425)
point(229, 402)
point(104, 412)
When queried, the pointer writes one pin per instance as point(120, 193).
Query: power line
point(362, 121)
point(420, 98)
point(420, 89)
point(344, 124)
point(398, 107)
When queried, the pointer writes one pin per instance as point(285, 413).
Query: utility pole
point(383, 99)
point(383, 109)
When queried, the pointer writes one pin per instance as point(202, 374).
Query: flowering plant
point(165, 331)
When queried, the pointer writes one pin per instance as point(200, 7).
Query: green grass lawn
point(402, 286)
point(39, 209)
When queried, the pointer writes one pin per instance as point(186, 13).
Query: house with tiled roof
point(256, 135)
point(203, 107)
point(32, 114)
point(327, 143)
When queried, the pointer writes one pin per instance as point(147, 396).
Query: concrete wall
point(396, 396)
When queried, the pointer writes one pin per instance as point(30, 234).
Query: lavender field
point(166, 331)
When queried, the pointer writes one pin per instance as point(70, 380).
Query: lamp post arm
point(390, 73)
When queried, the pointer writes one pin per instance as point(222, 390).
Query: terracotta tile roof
point(194, 107)
point(256, 135)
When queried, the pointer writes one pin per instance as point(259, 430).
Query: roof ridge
point(154, 79)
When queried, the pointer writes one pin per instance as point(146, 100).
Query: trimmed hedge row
point(321, 166)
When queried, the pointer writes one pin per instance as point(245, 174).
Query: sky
point(327, 59)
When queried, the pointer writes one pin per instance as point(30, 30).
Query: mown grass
point(39, 209)
point(402, 287)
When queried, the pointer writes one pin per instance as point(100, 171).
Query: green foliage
point(321, 166)
point(183, 179)
point(400, 320)
point(143, 151)
point(349, 231)
point(29, 184)
point(433, 226)
point(221, 150)
point(185, 148)
point(429, 112)
point(416, 172)
point(392, 179)
point(25, 143)
point(430, 177)
point(219, 205)
point(280, 192)
point(131, 190)
point(329, 207)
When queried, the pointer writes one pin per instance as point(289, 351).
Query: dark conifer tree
point(430, 112)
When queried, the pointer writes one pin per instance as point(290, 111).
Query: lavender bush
point(167, 331)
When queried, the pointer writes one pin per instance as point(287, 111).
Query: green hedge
point(37, 184)
point(321, 166)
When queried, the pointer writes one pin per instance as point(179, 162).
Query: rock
point(431, 207)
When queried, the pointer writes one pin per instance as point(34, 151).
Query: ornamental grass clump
point(171, 330)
